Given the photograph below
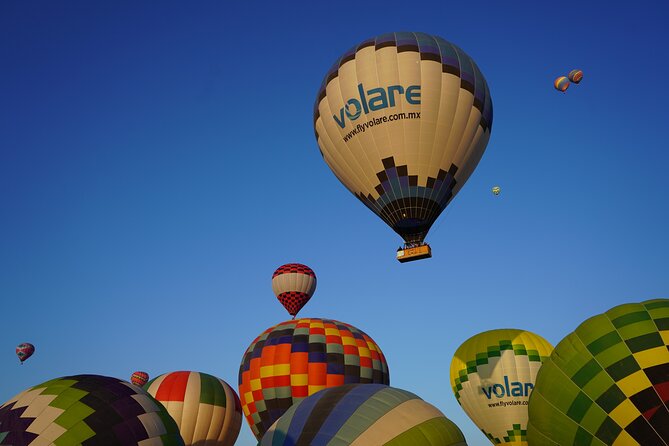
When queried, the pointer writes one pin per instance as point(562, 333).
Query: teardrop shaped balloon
point(139, 378)
point(293, 284)
point(561, 84)
point(496, 190)
point(24, 351)
point(402, 120)
point(492, 377)
point(607, 382)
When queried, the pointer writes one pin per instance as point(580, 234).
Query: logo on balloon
point(376, 99)
point(507, 389)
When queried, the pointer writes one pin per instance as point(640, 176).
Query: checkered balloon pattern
point(293, 284)
point(607, 383)
point(88, 410)
point(297, 358)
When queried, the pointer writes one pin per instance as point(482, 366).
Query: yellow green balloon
point(607, 383)
point(492, 376)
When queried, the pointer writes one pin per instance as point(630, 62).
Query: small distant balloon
point(575, 76)
point(293, 284)
point(561, 83)
point(24, 351)
point(496, 190)
point(139, 378)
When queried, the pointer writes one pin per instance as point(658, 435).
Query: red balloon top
point(294, 268)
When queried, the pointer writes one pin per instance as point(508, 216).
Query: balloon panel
point(608, 381)
point(492, 376)
point(402, 120)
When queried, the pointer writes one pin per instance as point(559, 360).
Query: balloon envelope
point(492, 376)
point(297, 358)
point(402, 120)
point(87, 410)
point(363, 414)
point(607, 382)
point(205, 408)
point(293, 284)
point(24, 351)
point(561, 83)
point(496, 190)
point(139, 378)
point(575, 76)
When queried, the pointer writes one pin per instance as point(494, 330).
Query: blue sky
point(158, 162)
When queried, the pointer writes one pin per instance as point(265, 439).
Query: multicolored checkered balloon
point(293, 284)
point(297, 358)
point(607, 383)
point(86, 410)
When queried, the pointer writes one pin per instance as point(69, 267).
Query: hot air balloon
point(24, 351)
point(293, 284)
point(363, 414)
point(607, 383)
point(496, 190)
point(86, 410)
point(139, 378)
point(297, 358)
point(575, 76)
point(205, 408)
point(492, 377)
point(561, 83)
point(402, 120)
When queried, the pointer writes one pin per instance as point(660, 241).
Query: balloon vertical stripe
point(360, 415)
point(206, 408)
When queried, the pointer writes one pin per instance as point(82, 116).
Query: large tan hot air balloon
point(402, 119)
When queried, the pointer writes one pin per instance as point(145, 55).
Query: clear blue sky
point(158, 162)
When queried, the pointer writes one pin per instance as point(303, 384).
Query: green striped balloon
point(206, 409)
point(607, 383)
point(361, 415)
